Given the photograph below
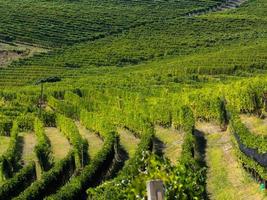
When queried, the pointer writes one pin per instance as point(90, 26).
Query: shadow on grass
point(158, 146)
point(201, 146)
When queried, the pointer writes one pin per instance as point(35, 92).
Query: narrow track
point(128, 141)
point(4, 143)
point(59, 144)
point(94, 141)
point(227, 5)
point(226, 179)
point(256, 125)
point(170, 142)
point(27, 143)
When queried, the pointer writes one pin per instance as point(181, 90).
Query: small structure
point(41, 82)
point(155, 190)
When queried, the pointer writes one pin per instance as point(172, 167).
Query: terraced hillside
point(99, 97)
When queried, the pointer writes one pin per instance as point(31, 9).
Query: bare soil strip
point(172, 140)
point(226, 179)
point(128, 141)
point(59, 144)
point(95, 142)
point(11, 52)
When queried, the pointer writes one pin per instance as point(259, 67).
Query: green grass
point(94, 141)
point(60, 23)
point(254, 124)
point(28, 144)
point(59, 144)
point(226, 179)
point(172, 140)
point(128, 141)
point(4, 142)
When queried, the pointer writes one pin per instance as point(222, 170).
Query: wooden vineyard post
point(42, 81)
point(155, 190)
point(265, 101)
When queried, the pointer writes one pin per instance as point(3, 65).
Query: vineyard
point(99, 97)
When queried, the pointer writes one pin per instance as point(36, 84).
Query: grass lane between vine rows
point(4, 142)
point(95, 143)
point(128, 141)
point(226, 179)
point(59, 144)
point(172, 140)
point(254, 124)
point(27, 142)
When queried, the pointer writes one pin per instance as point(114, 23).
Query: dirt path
point(95, 142)
point(226, 5)
point(226, 179)
point(59, 144)
point(172, 141)
point(4, 143)
point(11, 52)
point(128, 141)
point(28, 142)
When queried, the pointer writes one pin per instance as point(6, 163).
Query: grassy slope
point(236, 32)
point(59, 144)
point(56, 23)
point(4, 142)
point(255, 124)
point(219, 43)
point(94, 142)
point(176, 36)
point(128, 141)
point(172, 140)
point(226, 179)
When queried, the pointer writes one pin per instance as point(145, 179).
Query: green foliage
point(26, 122)
point(69, 22)
point(49, 118)
point(23, 179)
point(9, 160)
point(246, 137)
point(43, 147)
point(118, 186)
point(63, 107)
point(51, 180)
point(89, 176)
point(128, 64)
point(5, 126)
point(246, 97)
point(80, 145)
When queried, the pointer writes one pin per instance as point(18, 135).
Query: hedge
point(23, 179)
point(43, 147)
point(9, 160)
point(248, 139)
point(51, 180)
point(113, 189)
point(80, 145)
point(75, 189)
point(91, 174)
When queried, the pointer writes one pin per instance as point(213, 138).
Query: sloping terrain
point(131, 91)
point(226, 179)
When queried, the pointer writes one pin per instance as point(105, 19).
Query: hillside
point(98, 97)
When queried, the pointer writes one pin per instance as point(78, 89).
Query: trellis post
point(155, 190)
